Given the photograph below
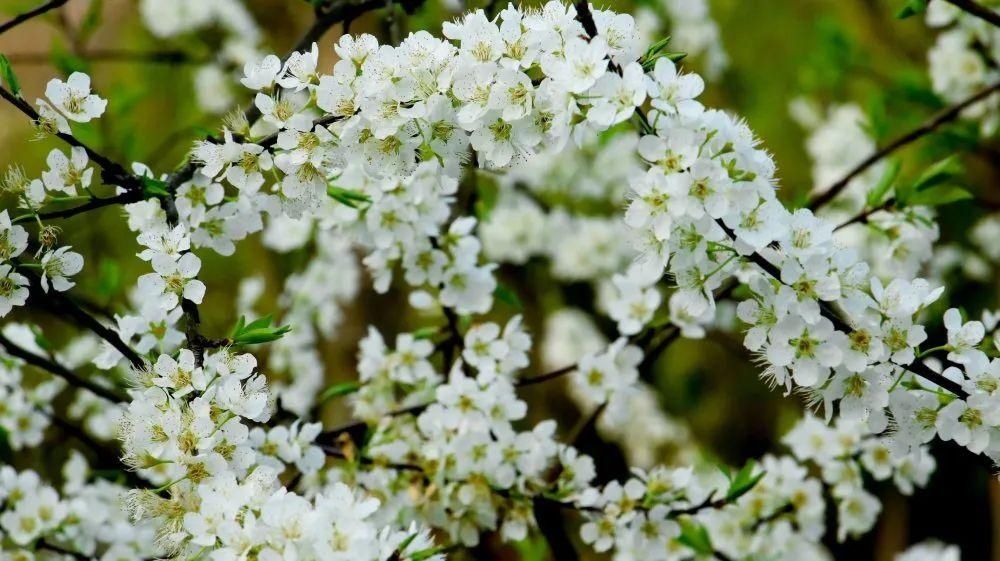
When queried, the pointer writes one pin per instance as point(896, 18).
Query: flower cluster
point(187, 428)
point(961, 60)
point(562, 112)
point(846, 450)
point(24, 410)
point(85, 516)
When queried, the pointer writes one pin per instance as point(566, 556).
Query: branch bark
point(169, 57)
point(978, 10)
point(946, 116)
point(122, 199)
point(59, 370)
point(112, 172)
point(30, 14)
point(60, 306)
point(916, 367)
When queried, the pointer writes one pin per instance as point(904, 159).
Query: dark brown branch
point(916, 367)
point(30, 14)
point(61, 307)
point(862, 217)
point(586, 424)
point(532, 380)
point(946, 116)
point(552, 527)
point(978, 10)
point(122, 199)
point(59, 370)
point(114, 56)
point(42, 544)
point(586, 18)
point(112, 173)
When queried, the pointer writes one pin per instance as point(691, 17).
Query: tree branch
point(550, 524)
point(916, 367)
point(60, 306)
point(30, 14)
point(113, 56)
point(122, 199)
point(978, 10)
point(863, 216)
point(112, 172)
point(946, 116)
point(59, 370)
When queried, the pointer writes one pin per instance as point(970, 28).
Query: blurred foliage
point(829, 50)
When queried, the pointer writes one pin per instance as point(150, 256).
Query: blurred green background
point(832, 51)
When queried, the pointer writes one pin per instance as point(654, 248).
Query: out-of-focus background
point(789, 62)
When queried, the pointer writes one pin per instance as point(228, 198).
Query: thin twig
point(978, 10)
point(59, 370)
point(60, 306)
point(586, 424)
point(122, 199)
point(114, 56)
point(946, 116)
point(916, 367)
point(863, 216)
point(21, 18)
point(42, 544)
point(112, 172)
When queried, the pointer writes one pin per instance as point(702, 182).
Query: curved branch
point(978, 10)
point(60, 306)
point(916, 367)
point(122, 199)
point(946, 116)
point(30, 14)
point(112, 173)
point(169, 57)
point(59, 370)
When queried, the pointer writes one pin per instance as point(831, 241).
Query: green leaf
point(337, 390)
point(154, 187)
point(426, 332)
point(346, 196)
point(877, 194)
point(911, 8)
point(938, 173)
point(257, 331)
point(657, 51)
point(743, 481)
point(239, 326)
point(939, 195)
point(878, 122)
point(486, 199)
point(40, 339)
point(657, 47)
point(427, 553)
point(258, 336)
point(508, 296)
point(695, 536)
point(9, 78)
point(259, 323)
